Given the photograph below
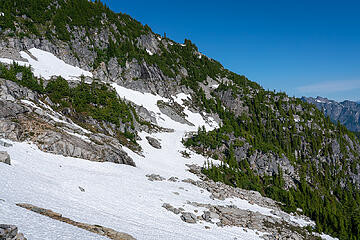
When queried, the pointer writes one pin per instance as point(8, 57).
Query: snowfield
point(46, 65)
point(116, 196)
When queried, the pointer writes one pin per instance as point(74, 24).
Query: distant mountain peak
point(347, 112)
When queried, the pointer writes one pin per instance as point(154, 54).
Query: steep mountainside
point(81, 81)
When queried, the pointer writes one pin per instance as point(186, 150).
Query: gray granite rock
point(5, 144)
point(153, 142)
point(10, 232)
point(188, 217)
point(5, 158)
point(155, 177)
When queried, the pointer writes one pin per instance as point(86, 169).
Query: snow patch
point(327, 237)
point(149, 101)
point(181, 97)
point(47, 65)
point(302, 222)
point(10, 61)
point(149, 52)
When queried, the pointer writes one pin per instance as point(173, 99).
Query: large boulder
point(4, 157)
point(10, 232)
point(188, 217)
point(153, 142)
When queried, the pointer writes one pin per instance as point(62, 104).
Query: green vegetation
point(357, 134)
point(268, 125)
point(21, 75)
point(96, 100)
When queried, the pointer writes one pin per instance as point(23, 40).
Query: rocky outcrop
point(11, 91)
point(155, 177)
point(100, 230)
point(222, 191)
point(4, 158)
point(153, 142)
point(173, 111)
point(51, 131)
point(235, 104)
point(9, 109)
point(5, 144)
point(10, 232)
point(68, 145)
point(273, 227)
point(275, 224)
point(170, 208)
point(188, 217)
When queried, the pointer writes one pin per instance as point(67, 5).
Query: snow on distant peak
point(46, 65)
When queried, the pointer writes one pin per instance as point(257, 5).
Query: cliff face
point(347, 112)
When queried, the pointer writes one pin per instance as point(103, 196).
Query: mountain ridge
point(347, 112)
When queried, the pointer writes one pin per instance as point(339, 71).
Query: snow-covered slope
point(46, 65)
point(116, 196)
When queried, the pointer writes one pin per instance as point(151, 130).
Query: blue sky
point(305, 48)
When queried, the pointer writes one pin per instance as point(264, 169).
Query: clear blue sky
point(303, 47)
